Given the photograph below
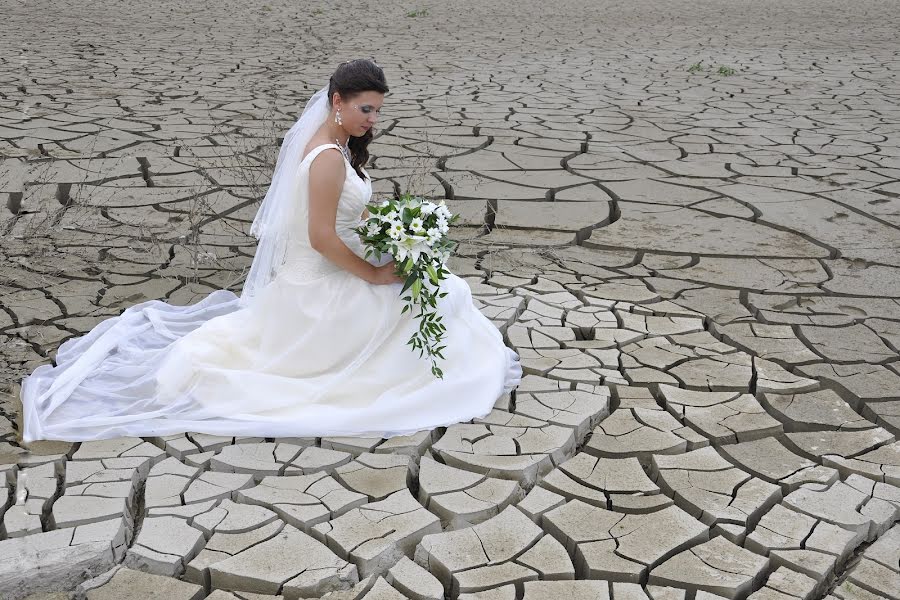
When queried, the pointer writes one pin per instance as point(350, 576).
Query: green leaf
point(432, 274)
point(409, 281)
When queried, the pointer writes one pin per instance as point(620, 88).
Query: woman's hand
point(384, 274)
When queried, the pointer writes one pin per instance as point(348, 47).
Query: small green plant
point(417, 13)
point(698, 67)
point(318, 11)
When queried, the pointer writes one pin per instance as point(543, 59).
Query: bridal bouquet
point(414, 232)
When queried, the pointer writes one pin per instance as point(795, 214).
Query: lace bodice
point(301, 261)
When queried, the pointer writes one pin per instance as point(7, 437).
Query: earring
point(337, 117)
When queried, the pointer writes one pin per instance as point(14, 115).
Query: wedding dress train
point(316, 352)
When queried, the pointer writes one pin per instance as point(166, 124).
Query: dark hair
point(349, 79)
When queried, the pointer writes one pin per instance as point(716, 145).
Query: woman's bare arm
point(326, 176)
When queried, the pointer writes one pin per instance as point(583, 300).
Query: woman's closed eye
point(368, 109)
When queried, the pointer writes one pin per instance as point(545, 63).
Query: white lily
point(418, 249)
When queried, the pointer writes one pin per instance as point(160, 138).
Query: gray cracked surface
point(699, 270)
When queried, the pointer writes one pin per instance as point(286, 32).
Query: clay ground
point(684, 216)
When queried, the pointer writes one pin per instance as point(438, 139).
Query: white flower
point(373, 228)
point(414, 245)
point(427, 208)
point(396, 230)
point(418, 249)
point(433, 234)
point(385, 203)
point(391, 216)
point(416, 224)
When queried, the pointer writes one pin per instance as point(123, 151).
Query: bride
point(316, 344)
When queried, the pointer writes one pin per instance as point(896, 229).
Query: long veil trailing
point(115, 364)
point(308, 349)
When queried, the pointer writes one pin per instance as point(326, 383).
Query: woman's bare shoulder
point(315, 143)
point(326, 168)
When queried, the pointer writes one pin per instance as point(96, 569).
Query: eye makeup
point(367, 108)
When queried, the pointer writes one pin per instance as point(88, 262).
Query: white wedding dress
point(317, 352)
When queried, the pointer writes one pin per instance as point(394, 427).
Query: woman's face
point(364, 110)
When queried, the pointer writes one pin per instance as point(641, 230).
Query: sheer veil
point(309, 357)
point(283, 198)
point(118, 362)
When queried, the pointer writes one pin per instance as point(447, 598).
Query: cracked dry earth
point(699, 270)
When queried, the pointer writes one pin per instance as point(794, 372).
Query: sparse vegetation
point(696, 67)
point(723, 70)
point(249, 165)
point(46, 205)
point(417, 13)
point(203, 237)
point(48, 215)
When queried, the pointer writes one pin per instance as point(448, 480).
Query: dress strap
point(321, 147)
